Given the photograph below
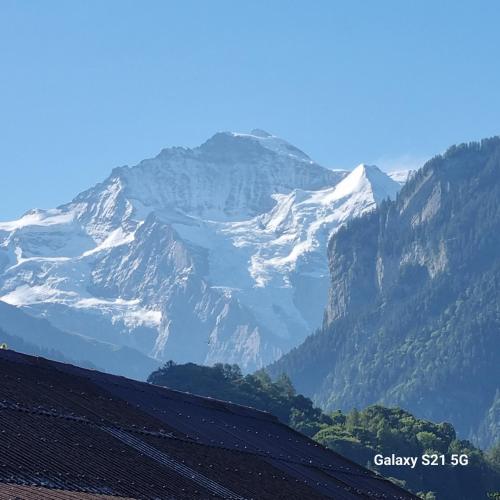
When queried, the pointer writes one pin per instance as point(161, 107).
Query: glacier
point(210, 254)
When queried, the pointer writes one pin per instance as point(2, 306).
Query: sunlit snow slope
point(216, 253)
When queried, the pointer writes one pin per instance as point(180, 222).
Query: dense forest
point(358, 435)
point(413, 316)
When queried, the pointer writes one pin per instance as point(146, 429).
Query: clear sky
point(87, 85)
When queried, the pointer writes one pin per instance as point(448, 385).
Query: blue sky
point(88, 85)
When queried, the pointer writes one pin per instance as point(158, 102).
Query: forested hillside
point(226, 382)
point(413, 317)
point(358, 435)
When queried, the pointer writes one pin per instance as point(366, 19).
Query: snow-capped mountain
point(216, 253)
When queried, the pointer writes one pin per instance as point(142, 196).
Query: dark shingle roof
point(66, 428)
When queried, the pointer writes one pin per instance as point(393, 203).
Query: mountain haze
point(25, 333)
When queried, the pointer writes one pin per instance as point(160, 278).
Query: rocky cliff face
point(216, 253)
point(412, 317)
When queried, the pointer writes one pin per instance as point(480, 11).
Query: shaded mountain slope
point(37, 336)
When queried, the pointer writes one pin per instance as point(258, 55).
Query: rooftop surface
point(68, 433)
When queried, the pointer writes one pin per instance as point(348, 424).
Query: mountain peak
point(368, 169)
point(272, 143)
point(369, 178)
